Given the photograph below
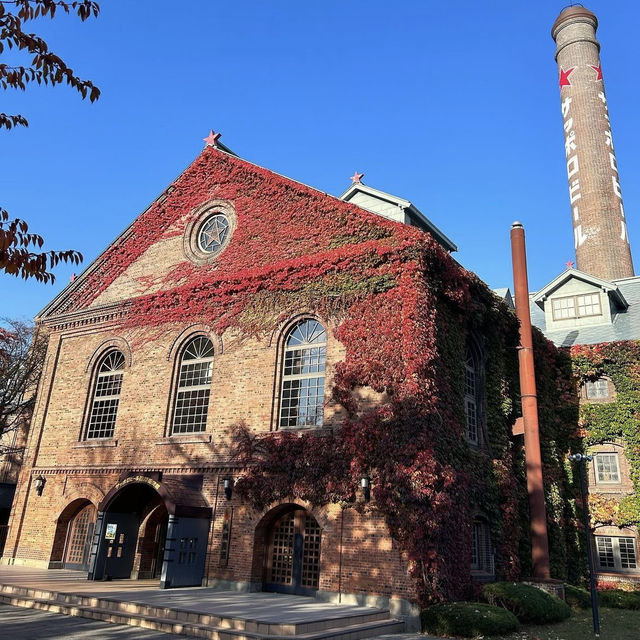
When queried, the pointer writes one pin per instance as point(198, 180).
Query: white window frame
point(597, 387)
point(600, 456)
point(578, 301)
point(109, 376)
point(614, 541)
point(183, 390)
point(314, 379)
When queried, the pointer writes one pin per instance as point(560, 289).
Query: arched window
point(194, 387)
point(471, 397)
point(106, 397)
point(303, 366)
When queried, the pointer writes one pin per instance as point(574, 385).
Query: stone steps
point(353, 626)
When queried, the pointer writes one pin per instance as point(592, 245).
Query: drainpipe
point(538, 512)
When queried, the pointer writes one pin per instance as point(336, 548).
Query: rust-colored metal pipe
point(535, 489)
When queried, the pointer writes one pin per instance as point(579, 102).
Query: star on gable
point(212, 139)
point(357, 178)
point(569, 264)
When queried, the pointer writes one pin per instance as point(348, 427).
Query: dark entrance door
point(293, 556)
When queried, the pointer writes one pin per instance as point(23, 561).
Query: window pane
point(563, 308)
point(589, 305)
point(303, 367)
point(191, 411)
point(597, 388)
point(627, 553)
point(607, 467)
point(194, 387)
point(471, 419)
point(106, 396)
point(604, 548)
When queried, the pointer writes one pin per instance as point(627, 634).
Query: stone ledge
point(192, 438)
point(91, 444)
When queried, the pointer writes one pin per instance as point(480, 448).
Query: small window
point(597, 389)
point(303, 369)
point(607, 468)
point(471, 398)
point(481, 549)
point(194, 387)
point(106, 396)
point(581, 306)
point(616, 554)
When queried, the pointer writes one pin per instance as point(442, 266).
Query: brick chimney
point(599, 224)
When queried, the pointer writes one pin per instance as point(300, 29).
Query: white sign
point(110, 533)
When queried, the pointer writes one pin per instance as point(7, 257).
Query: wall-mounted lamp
point(365, 484)
point(39, 482)
point(228, 488)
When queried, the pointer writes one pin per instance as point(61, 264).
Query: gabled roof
point(295, 219)
point(624, 325)
point(570, 274)
point(385, 199)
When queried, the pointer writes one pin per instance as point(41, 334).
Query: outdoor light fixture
point(40, 481)
point(365, 483)
point(581, 459)
point(228, 487)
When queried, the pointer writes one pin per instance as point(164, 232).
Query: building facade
point(259, 386)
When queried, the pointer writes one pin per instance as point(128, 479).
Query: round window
point(213, 233)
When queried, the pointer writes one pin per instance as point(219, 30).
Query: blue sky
point(451, 105)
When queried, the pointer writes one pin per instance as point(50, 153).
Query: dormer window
point(581, 306)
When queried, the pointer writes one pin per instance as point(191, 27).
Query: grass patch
point(467, 619)
point(619, 599)
point(529, 604)
point(615, 624)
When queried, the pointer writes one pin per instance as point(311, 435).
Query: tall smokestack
point(599, 225)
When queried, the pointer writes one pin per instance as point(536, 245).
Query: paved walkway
point(18, 623)
point(263, 607)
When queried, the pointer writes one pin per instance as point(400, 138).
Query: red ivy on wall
point(403, 310)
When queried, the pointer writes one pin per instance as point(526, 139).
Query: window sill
point(97, 443)
point(186, 438)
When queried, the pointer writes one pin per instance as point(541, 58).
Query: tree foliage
point(17, 244)
point(22, 352)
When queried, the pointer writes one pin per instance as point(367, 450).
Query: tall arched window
point(470, 398)
point(106, 397)
point(194, 387)
point(303, 366)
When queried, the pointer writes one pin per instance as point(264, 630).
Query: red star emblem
point(357, 177)
point(569, 264)
point(212, 139)
point(598, 70)
point(564, 77)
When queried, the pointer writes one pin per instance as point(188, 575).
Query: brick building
point(216, 313)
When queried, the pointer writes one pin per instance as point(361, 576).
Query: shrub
point(619, 599)
point(529, 604)
point(467, 619)
point(577, 597)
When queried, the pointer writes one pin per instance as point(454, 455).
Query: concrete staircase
point(363, 623)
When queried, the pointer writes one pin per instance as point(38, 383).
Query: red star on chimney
point(357, 177)
point(564, 77)
point(212, 139)
point(569, 264)
point(598, 70)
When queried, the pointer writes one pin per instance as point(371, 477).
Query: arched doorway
point(73, 536)
point(292, 558)
point(149, 528)
point(121, 526)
